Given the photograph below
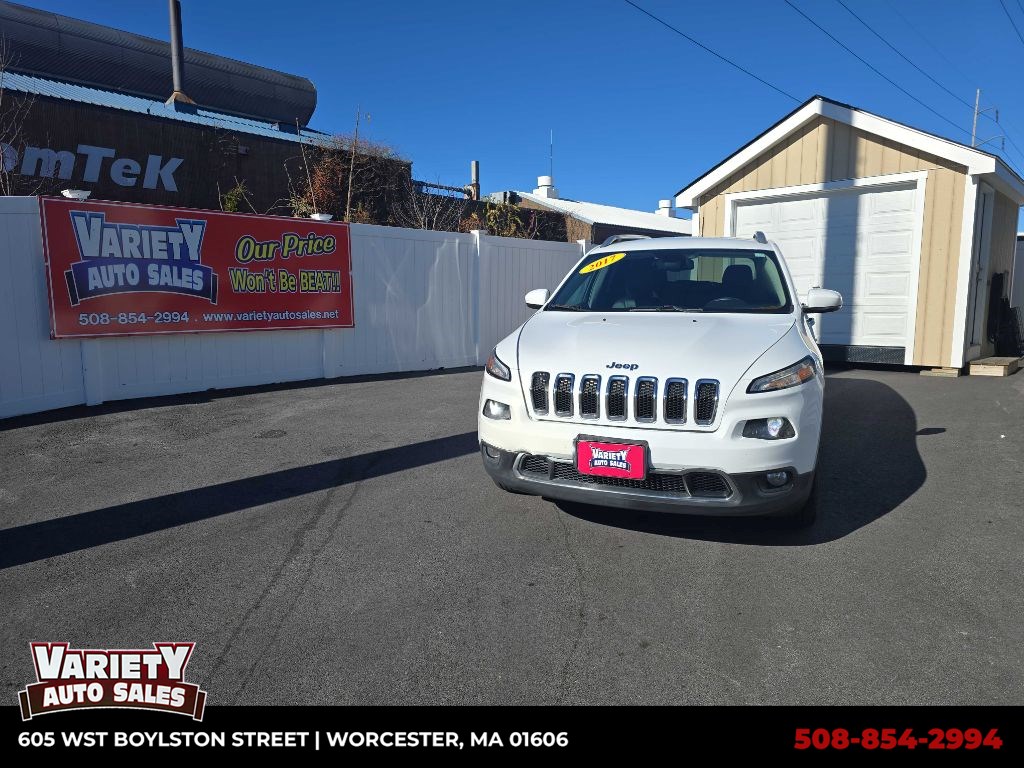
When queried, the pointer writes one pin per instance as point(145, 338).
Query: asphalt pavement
point(340, 543)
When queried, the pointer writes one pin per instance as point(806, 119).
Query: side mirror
point(822, 300)
point(538, 297)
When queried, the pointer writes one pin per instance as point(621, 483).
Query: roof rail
point(759, 236)
point(619, 238)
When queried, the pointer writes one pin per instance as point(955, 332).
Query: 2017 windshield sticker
point(603, 262)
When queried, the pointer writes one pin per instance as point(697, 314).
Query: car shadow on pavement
point(868, 465)
point(59, 536)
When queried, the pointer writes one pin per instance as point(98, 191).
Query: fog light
point(775, 428)
point(492, 453)
point(777, 479)
point(495, 410)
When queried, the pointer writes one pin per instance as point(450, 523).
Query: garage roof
point(995, 170)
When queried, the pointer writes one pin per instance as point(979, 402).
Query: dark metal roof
point(54, 89)
point(60, 48)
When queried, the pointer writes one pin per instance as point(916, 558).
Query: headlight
point(495, 410)
point(775, 428)
point(497, 369)
point(793, 376)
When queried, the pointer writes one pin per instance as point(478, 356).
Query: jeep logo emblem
point(624, 366)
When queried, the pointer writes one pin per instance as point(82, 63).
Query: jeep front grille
point(675, 401)
point(644, 407)
point(560, 395)
point(563, 394)
point(706, 401)
point(539, 392)
point(615, 403)
point(590, 396)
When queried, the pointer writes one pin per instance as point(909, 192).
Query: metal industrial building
point(108, 113)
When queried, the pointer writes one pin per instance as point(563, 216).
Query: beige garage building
point(910, 227)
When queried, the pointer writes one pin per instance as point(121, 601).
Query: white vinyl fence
point(423, 300)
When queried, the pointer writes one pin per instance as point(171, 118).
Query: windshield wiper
point(666, 308)
point(565, 307)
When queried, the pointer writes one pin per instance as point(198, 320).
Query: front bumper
point(749, 495)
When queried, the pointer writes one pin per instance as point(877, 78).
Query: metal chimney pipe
point(474, 179)
point(177, 55)
point(177, 49)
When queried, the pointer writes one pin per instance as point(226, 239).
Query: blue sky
point(637, 111)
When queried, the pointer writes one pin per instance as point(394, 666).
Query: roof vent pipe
point(665, 208)
point(178, 99)
point(546, 188)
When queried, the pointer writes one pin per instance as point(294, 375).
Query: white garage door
point(860, 242)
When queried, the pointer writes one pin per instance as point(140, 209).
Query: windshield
point(677, 280)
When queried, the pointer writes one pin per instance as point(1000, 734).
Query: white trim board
point(975, 161)
point(919, 179)
point(916, 177)
point(958, 344)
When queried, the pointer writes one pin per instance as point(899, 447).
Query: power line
point(907, 59)
point(889, 80)
point(1012, 22)
point(902, 56)
point(878, 72)
point(788, 95)
point(717, 55)
point(1004, 124)
point(955, 67)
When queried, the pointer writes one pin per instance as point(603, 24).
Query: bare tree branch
point(420, 210)
point(318, 181)
point(14, 109)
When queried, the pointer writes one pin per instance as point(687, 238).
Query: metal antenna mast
point(551, 155)
point(974, 126)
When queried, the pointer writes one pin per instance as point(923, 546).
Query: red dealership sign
point(117, 269)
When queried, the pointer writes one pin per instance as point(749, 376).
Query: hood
point(660, 344)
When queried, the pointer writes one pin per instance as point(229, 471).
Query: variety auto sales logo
point(133, 258)
point(615, 459)
point(69, 678)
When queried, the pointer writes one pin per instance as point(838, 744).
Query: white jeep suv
point(671, 374)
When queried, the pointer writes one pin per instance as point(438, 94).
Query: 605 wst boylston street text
point(294, 739)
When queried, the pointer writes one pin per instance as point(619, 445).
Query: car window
point(681, 280)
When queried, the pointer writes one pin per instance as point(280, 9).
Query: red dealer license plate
point(627, 461)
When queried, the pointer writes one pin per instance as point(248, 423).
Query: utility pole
point(352, 166)
point(551, 155)
point(974, 126)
